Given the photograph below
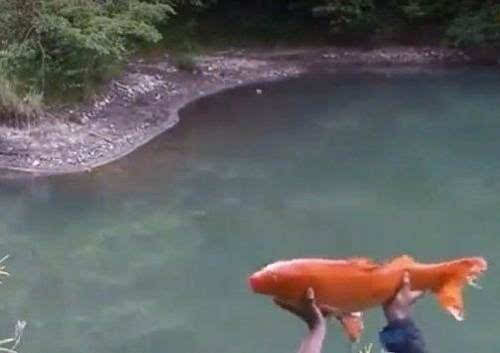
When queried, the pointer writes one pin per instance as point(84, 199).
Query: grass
point(20, 325)
point(18, 111)
point(367, 349)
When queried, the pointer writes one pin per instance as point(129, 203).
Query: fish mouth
point(253, 282)
point(476, 271)
point(472, 280)
point(262, 283)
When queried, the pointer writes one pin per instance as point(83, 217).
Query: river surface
point(151, 254)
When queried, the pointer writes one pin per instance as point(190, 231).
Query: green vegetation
point(367, 349)
point(15, 110)
point(479, 28)
point(456, 22)
point(73, 42)
point(14, 341)
point(52, 46)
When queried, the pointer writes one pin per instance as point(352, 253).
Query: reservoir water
point(150, 254)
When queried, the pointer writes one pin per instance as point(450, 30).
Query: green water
point(151, 254)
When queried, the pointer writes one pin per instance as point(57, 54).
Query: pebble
point(79, 119)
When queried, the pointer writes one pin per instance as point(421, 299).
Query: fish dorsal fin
point(401, 261)
point(363, 263)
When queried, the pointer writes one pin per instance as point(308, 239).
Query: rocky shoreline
point(144, 101)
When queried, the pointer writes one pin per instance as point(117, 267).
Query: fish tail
point(450, 298)
point(462, 271)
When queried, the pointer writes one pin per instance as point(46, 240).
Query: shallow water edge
point(145, 102)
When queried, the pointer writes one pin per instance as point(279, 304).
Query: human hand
point(399, 307)
point(405, 294)
point(308, 311)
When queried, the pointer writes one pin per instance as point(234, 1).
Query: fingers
point(307, 310)
point(327, 311)
point(404, 291)
point(400, 306)
point(410, 295)
point(415, 295)
point(309, 301)
point(310, 294)
point(309, 313)
point(290, 308)
point(406, 278)
point(313, 313)
point(406, 285)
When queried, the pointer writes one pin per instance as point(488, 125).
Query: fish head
point(265, 282)
point(276, 279)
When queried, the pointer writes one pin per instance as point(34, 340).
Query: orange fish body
point(355, 285)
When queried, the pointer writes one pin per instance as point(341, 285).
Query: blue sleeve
point(393, 338)
point(402, 337)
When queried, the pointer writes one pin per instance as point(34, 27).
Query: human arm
point(312, 315)
point(401, 335)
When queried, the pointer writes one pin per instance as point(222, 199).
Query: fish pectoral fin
point(451, 299)
point(353, 325)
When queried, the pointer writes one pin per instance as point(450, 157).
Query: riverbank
point(145, 100)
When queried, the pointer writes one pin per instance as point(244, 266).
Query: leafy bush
point(467, 22)
point(74, 42)
point(430, 11)
point(480, 28)
point(51, 46)
point(179, 35)
point(18, 111)
point(348, 16)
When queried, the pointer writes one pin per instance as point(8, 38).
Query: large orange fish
point(352, 286)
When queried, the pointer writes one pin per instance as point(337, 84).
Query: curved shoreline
point(145, 102)
point(170, 122)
